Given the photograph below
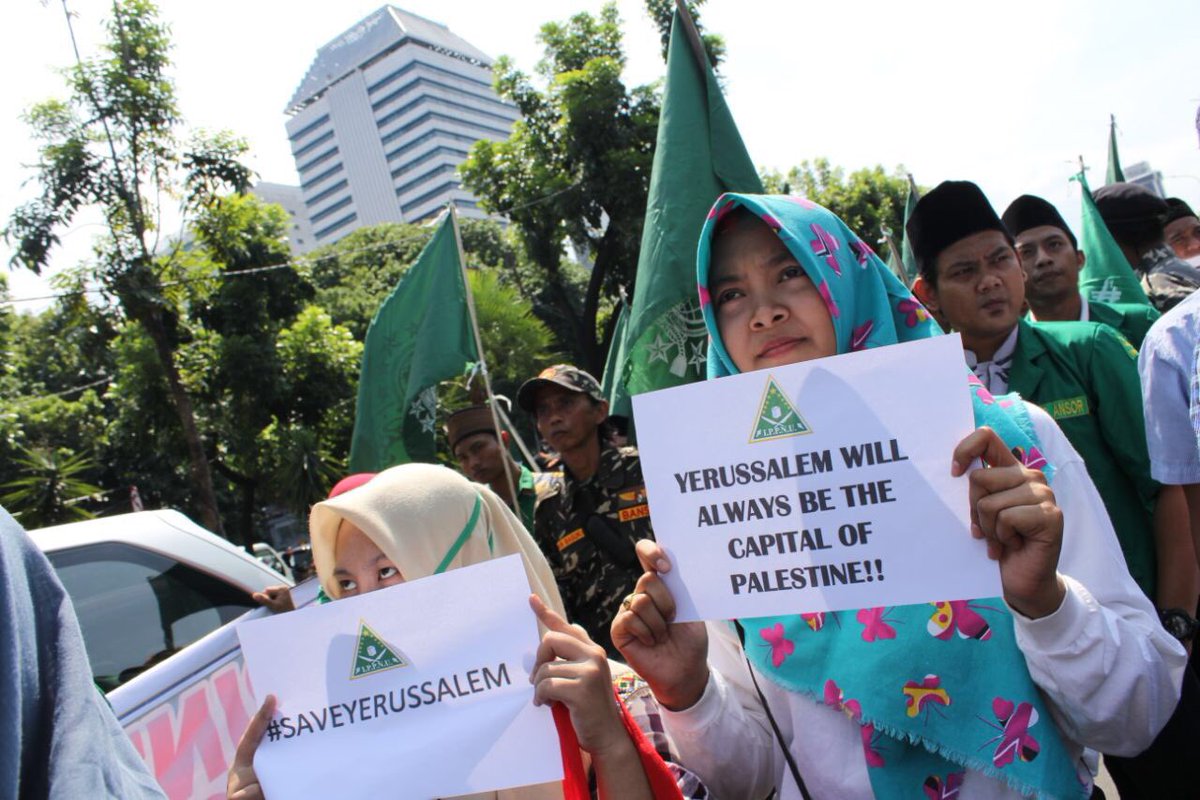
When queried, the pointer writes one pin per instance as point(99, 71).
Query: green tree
point(661, 12)
point(49, 488)
point(54, 369)
point(576, 168)
point(868, 199)
point(113, 144)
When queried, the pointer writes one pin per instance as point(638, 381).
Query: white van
point(155, 593)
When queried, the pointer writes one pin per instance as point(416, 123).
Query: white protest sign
point(815, 487)
point(420, 690)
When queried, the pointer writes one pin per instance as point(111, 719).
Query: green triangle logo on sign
point(777, 417)
point(373, 654)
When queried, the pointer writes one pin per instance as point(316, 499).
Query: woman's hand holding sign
point(1013, 508)
point(573, 670)
point(672, 657)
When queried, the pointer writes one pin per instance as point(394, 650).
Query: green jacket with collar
point(1131, 320)
point(1085, 375)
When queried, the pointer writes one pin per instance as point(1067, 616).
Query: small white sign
point(420, 690)
point(818, 486)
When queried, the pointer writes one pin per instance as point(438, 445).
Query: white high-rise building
point(386, 113)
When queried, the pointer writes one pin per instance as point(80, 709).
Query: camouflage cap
point(571, 378)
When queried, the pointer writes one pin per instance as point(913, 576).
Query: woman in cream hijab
point(417, 520)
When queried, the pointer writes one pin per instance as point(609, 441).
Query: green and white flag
point(1115, 173)
point(420, 336)
point(699, 154)
point(907, 265)
point(610, 385)
point(1106, 276)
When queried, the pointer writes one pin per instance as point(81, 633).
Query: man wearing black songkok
point(1085, 375)
point(1135, 217)
point(1052, 260)
point(1182, 231)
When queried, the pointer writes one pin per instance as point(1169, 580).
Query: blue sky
point(1008, 95)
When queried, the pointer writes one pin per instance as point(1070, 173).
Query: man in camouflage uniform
point(483, 456)
point(1135, 217)
point(588, 528)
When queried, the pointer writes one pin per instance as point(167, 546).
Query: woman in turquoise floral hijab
point(955, 698)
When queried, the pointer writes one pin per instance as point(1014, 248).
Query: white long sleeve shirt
point(1108, 670)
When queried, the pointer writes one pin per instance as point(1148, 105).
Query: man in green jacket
point(1085, 375)
point(1052, 260)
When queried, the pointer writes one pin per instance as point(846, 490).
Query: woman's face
point(359, 565)
point(768, 311)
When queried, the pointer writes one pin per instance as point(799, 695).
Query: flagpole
point(693, 35)
point(894, 253)
point(524, 448)
point(483, 370)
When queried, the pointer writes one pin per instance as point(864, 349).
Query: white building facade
point(382, 120)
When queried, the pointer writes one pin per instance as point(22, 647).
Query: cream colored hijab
point(415, 514)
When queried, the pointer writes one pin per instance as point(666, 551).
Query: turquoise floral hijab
point(937, 688)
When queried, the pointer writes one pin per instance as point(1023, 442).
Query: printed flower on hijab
point(924, 696)
point(825, 246)
point(1031, 458)
point(937, 789)
point(870, 750)
point(724, 209)
point(781, 647)
point(823, 288)
point(803, 202)
point(862, 251)
point(772, 223)
point(980, 390)
point(914, 313)
point(836, 699)
point(859, 336)
point(705, 298)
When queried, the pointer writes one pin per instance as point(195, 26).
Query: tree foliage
point(662, 11)
point(575, 169)
point(48, 488)
point(113, 144)
point(867, 199)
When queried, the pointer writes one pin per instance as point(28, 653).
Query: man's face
point(566, 419)
point(1184, 236)
point(1051, 265)
point(980, 287)
point(481, 457)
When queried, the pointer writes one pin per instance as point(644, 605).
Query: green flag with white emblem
point(420, 336)
point(699, 154)
point(1106, 276)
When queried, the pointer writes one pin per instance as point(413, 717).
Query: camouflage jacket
point(588, 529)
point(532, 488)
point(1166, 279)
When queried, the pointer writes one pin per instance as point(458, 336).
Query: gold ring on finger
point(627, 603)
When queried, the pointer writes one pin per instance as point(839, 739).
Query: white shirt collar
point(994, 373)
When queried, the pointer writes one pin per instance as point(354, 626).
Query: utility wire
point(303, 260)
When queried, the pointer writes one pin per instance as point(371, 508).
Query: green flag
point(906, 251)
point(1106, 275)
point(699, 154)
point(421, 335)
point(1115, 173)
point(618, 401)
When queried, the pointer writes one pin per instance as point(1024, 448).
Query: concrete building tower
point(386, 113)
